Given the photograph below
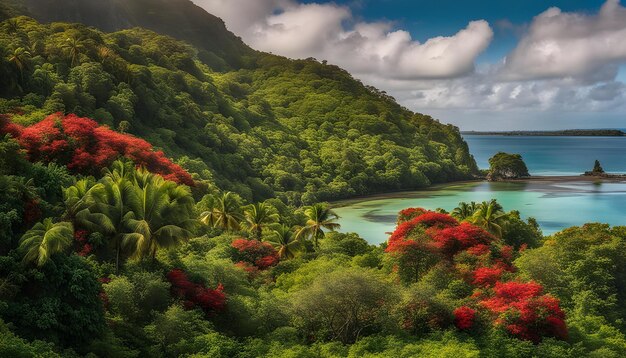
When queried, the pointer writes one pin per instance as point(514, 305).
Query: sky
point(480, 65)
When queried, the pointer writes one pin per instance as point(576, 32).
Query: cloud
point(607, 91)
point(562, 70)
point(330, 32)
point(240, 14)
point(581, 46)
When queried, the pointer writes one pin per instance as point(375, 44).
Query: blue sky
point(426, 19)
point(483, 65)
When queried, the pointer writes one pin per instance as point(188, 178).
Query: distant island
point(563, 133)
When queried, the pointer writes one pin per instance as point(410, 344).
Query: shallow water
point(555, 205)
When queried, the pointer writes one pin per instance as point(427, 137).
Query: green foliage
point(506, 166)
point(138, 297)
point(275, 134)
point(347, 244)
point(510, 227)
point(319, 217)
point(13, 346)
point(299, 130)
point(58, 303)
point(585, 268)
point(44, 240)
point(137, 211)
point(343, 305)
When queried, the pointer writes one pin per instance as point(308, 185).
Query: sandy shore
point(569, 178)
point(535, 182)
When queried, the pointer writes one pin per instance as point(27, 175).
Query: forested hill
point(300, 130)
point(181, 19)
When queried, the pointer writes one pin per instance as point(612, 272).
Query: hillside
point(155, 204)
point(180, 19)
point(300, 130)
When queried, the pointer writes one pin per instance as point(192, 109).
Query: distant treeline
point(567, 132)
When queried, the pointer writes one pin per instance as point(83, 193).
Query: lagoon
point(556, 203)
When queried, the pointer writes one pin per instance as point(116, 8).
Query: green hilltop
point(250, 122)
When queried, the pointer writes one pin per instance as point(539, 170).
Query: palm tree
point(74, 47)
point(46, 239)
point(284, 240)
point(105, 54)
point(257, 216)
point(20, 58)
point(490, 217)
point(107, 205)
point(464, 210)
point(319, 217)
point(13, 26)
point(223, 213)
point(76, 198)
point(159, 216)
point(138, 210)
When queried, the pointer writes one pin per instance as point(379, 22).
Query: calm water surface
point(553, 155)
point(555, 205)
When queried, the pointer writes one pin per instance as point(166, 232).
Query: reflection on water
point(554, 205)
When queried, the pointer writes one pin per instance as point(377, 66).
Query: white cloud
point(319, 30)
point(239, 15)
point(560, 44)
point(563, 68)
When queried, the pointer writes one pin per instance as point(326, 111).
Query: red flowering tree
point(195, 294)
point(409, 213)
point(422, 238)
point(260, 255)
point(487, 276)
point(522, 309)
point(464, 317)
point(86, 147)
point(411, 247)
point(452, 240)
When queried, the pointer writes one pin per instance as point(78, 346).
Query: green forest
point(159, 198)
point(301, 131)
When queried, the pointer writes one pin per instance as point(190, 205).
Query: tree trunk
point(117, 257)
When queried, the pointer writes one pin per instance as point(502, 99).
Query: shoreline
point(538, 179)
point(568, 178)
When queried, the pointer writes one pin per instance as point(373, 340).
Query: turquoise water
point(555, 205)
point(553, 155)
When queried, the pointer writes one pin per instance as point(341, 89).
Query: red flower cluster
point(424, 219)
point(482, 260)
point(409, 213)
point(455, 239)
point(464, 317)
point(487, 276)
point(84, 247)
point(196, 295)
point(86, 147)
point(253, 252)
point(8, 127)
point(524, 312)
point(432, 219)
